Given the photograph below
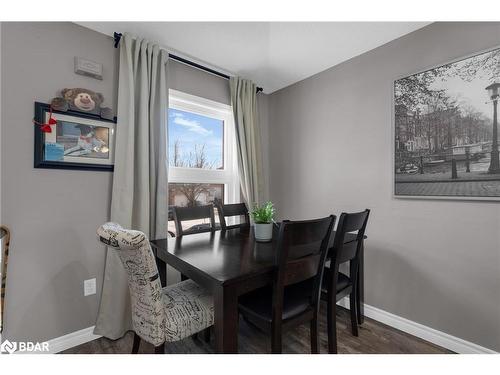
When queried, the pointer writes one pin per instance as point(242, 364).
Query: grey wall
point(184, 78)
point(264, 114)
point(433, 262)
point(53, 214)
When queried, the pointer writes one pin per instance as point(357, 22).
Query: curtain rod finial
point(117, 37)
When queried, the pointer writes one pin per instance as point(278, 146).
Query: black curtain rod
point(118, 36)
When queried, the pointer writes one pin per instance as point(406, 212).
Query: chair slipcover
point(158, 315)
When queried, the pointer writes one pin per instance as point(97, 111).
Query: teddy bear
point(82, 100)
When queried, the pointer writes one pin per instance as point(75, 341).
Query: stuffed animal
point(82, 100)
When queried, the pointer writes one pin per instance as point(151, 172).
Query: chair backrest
point(350, 223)
point(230, 210)
point(301, 254)
point(193, 213)
point(134, 250)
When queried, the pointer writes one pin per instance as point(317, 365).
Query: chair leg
point(162, 271)
point(206, 334)
point(276, 340)
point(359, 280)
point(332, 324)
point(137, 343)
point(160, 349)
point(314, 336)
point(353, 310)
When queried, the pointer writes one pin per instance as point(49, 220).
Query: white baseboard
point(71, 340)
point(432, 335)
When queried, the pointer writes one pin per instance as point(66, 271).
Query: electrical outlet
point(89, 287)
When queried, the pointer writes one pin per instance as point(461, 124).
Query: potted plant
point(263, 218)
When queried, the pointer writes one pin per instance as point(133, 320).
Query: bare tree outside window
point(201, 154)
point(196, 143)
point(193, 192)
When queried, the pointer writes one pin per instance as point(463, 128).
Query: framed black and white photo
point(75, 140)
point(446, 130)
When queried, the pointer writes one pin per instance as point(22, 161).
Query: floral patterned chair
point(158, 315)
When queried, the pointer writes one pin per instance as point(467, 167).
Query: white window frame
point(227, 176)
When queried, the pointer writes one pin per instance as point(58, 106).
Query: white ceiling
point(272, 54)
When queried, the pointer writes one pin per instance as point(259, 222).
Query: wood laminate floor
point(374, 337)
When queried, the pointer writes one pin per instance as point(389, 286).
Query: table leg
point(162, 271)
point(361, 287)
point(226, 320)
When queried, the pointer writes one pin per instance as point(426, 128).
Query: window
point(202, 153)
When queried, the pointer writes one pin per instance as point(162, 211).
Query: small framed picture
point(76, 140)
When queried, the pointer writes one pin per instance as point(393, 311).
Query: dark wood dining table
point(229, 263)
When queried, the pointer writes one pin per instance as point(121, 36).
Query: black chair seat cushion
point(296, 300)
point(258, 303)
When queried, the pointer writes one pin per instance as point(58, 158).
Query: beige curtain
point(139, 195)
point(244, 104)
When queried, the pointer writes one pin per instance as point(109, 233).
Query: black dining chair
point(181, 214)
point(232, 210)
point(294, 296)
point(337, 285)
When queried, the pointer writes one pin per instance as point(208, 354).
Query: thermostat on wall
point(88, 68)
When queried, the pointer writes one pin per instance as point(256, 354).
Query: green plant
point(263, 214)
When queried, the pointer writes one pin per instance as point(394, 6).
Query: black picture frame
point(41, 109)
point(443, 126)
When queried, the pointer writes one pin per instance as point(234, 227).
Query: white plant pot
point(263, 232)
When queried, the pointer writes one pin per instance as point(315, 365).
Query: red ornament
point(46, 128)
